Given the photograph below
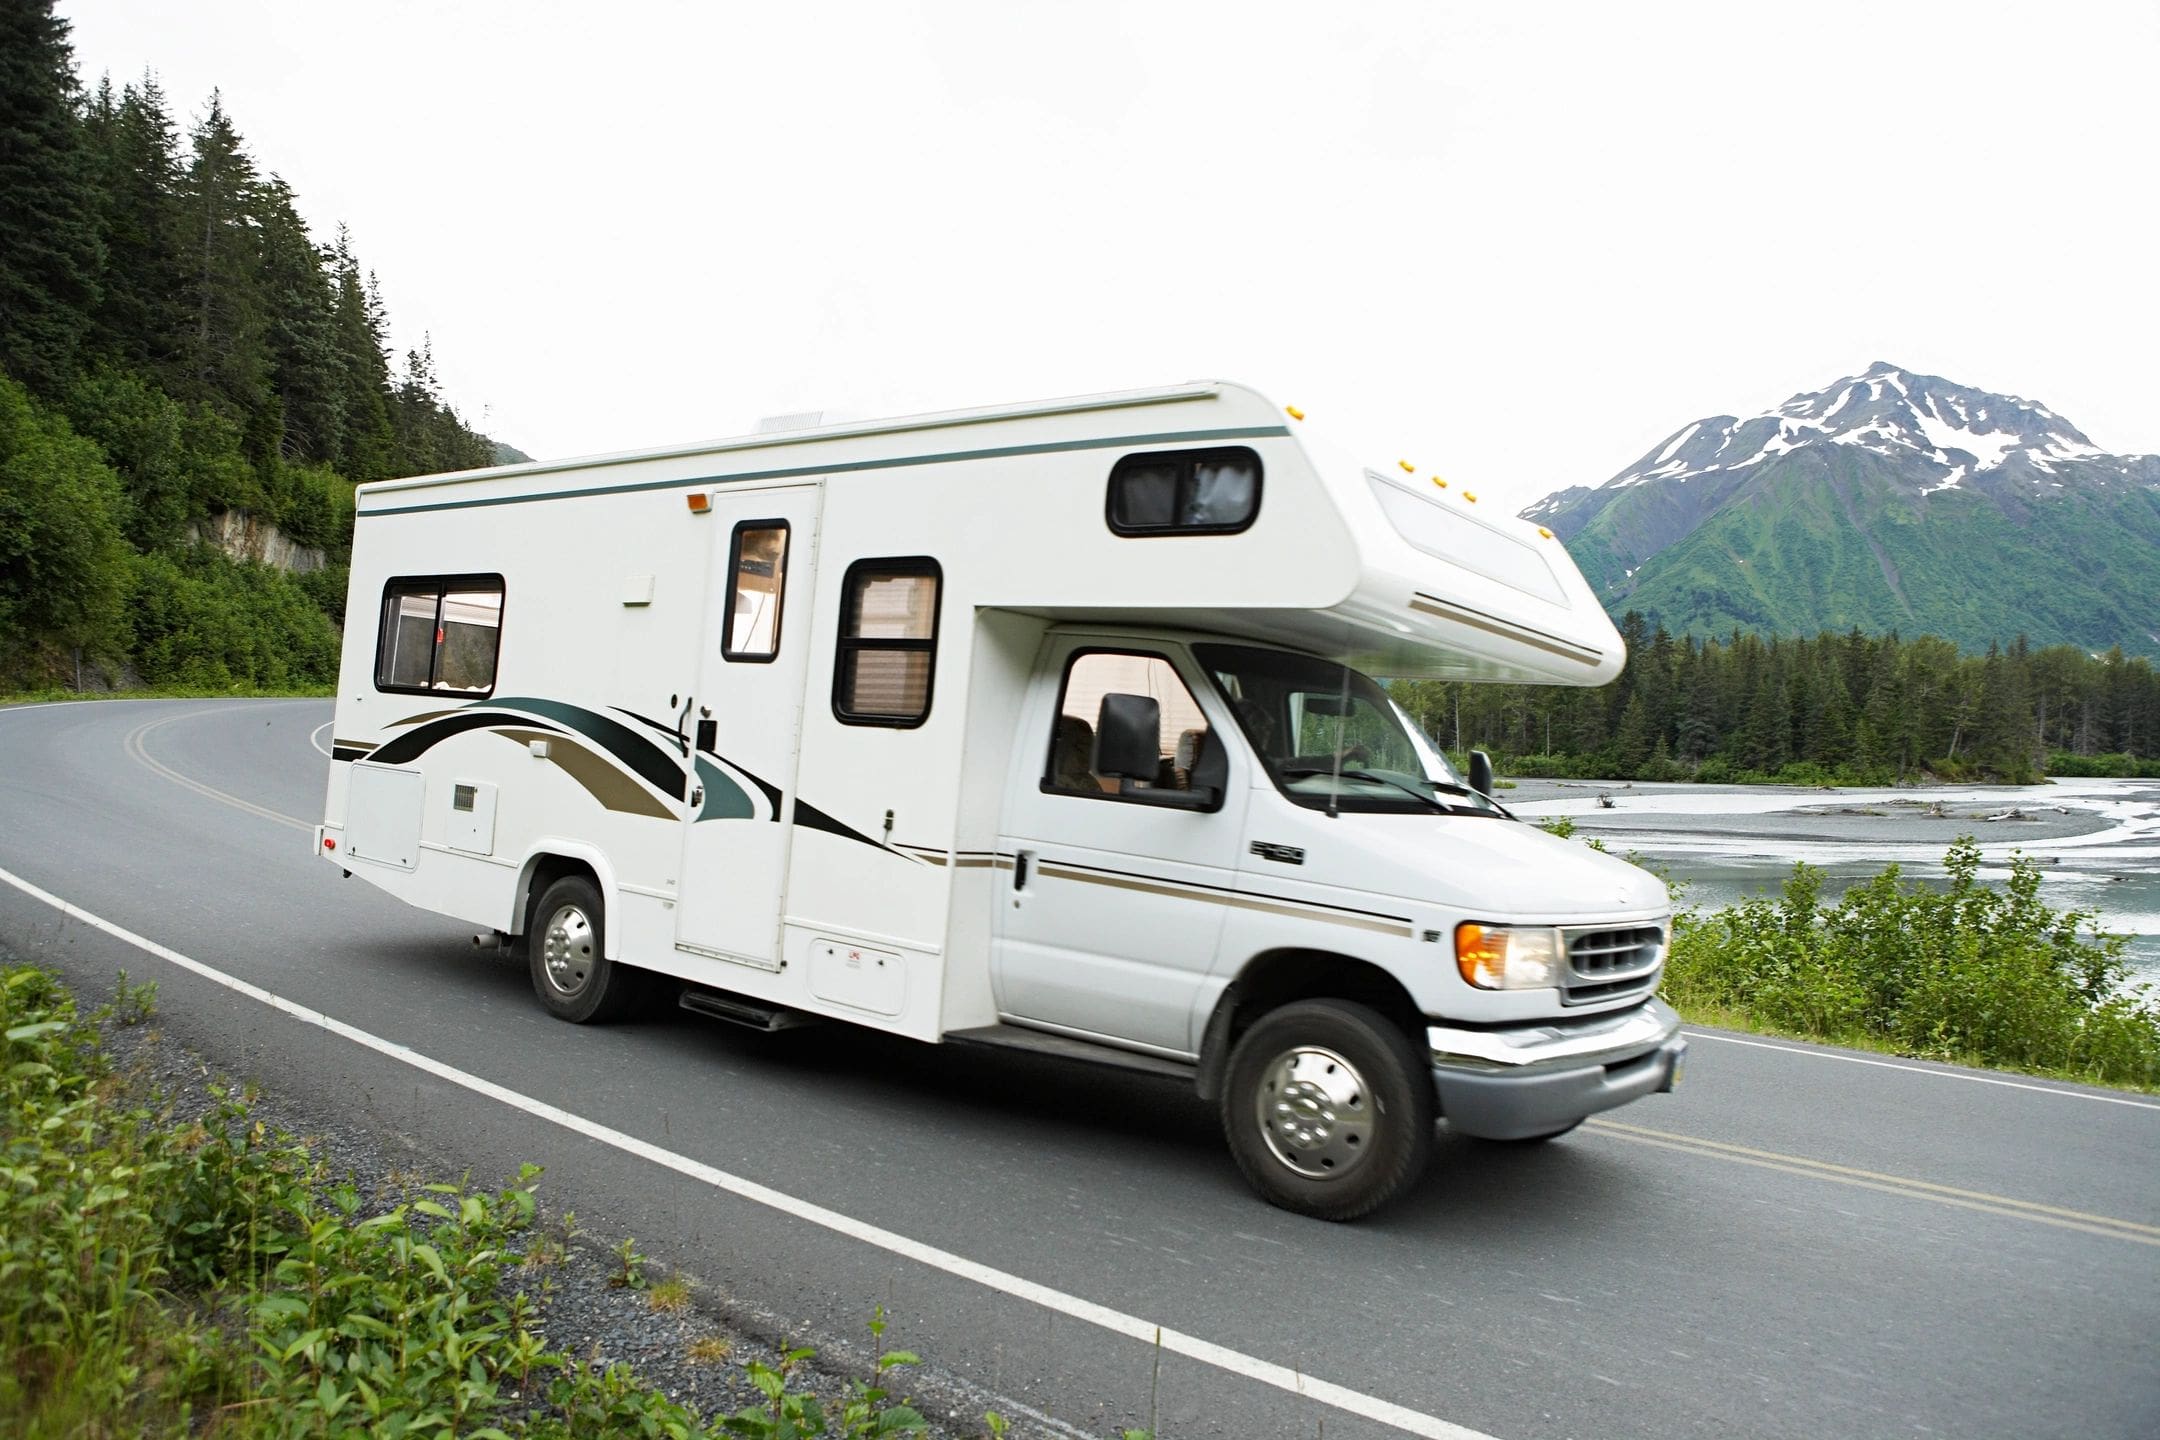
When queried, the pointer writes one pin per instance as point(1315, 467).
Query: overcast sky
point(1515, 244)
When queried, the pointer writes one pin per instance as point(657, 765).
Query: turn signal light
point(1293, 412)
point(1408, 468)
point(700, 502)
point(1508, 957)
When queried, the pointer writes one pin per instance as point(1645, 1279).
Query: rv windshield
point(1331, 736)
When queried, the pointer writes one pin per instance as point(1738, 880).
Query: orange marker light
point(1293, 412)
point(699, 502)
point(1439, 482)
point(1544, 532)
point(1469, 497)
point(1480, 956)
point(1408, 468)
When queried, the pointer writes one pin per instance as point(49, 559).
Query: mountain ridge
point(1889, 499)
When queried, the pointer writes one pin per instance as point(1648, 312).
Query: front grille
point(1612, 964)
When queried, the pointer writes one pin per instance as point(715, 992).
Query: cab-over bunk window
point(440, 634)
point(1185, 492)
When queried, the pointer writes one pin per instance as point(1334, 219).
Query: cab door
point(1107, 920)
point(745, 730)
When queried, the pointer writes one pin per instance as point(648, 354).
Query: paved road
point(1800, 1243)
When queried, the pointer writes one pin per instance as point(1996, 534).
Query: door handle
point(682, 738)
point(1021, 862)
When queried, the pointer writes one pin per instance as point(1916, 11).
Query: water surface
point(2097, 841)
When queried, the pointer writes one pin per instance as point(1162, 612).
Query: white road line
point(1147, 1332)
point(1815, 1054)
point(319, 748)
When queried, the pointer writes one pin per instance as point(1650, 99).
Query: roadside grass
point(1974, 974)
point(166, 1276)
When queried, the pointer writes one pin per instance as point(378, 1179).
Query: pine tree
point(49, 252)
point(228, 359)
point(140, 321)
point(301, 313)
point(367, 445)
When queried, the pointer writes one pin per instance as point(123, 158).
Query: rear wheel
point(1327, 1109)
point(566, 945)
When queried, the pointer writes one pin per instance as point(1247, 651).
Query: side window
point(440, 635)
point(888, 642)
point(1095, 673)
point(1185, 492)
point(758, 562)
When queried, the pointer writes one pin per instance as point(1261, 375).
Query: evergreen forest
point(1836, 709)
point(179, 360)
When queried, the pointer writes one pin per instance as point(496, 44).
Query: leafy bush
point(62, 556)
point(152, 1273)
point(201, 619)
point(1974, 973)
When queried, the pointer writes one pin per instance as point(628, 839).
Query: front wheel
point(1327, 1109)
point(566, 953)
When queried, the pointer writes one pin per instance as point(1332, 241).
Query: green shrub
point(1977, 973)
point(154, 1274)
point(202, 619)
point(62, 554)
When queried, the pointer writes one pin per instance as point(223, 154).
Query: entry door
point(1108, 920)
point(744, 724)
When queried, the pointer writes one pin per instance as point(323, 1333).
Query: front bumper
point(1529, 1080)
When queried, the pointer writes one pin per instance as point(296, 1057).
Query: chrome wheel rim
point(568, 952)
point(1316, 1112)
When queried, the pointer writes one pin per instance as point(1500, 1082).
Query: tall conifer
point(49, 252)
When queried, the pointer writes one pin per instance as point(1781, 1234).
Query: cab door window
point(1092, 674)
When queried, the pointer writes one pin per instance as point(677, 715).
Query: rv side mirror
point(1128, 735)
point(1481, 773)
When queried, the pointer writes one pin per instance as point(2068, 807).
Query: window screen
point(888, 642)
point(759, 565)
point(440, 634)
point(1185, 492)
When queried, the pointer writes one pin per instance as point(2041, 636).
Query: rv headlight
point(1508, 957)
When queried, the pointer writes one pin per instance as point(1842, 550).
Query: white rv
point(1045, 726)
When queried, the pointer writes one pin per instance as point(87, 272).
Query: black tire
point(1328, 1109)
point(566, 956)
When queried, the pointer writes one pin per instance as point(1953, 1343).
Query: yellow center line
point(137, 752)
point(1887, 1184)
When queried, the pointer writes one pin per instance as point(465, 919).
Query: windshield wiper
point(1292, 772)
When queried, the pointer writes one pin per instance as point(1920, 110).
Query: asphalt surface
point(1799, 1243)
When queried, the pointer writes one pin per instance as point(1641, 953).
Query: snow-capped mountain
point(1887, 499)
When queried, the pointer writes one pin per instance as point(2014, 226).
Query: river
point(2097, 841)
